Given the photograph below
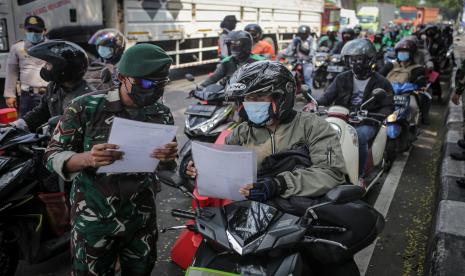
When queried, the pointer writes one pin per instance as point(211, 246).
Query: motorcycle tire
point(9, 259)
point(188, 183)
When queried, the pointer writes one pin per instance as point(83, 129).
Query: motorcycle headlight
point(289, 67)
point(217, 118)
point(335, 59)
point(319, 63)
point(392, 118)
point(11, 175)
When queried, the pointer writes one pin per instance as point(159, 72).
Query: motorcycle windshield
point(248, 220)
point(401, 88)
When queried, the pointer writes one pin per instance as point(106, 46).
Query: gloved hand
point(267, 188)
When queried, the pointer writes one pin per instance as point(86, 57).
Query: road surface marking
point(382, 204)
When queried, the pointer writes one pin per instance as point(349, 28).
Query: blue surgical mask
point(34, 38)
point(105, 52)
point(257, 112)
point(403, 56)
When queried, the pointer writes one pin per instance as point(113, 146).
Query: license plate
point(335, 69)
point(400, 100)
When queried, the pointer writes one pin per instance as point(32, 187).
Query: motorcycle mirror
point(190, 77)
point(345, 193)
point(379, 94)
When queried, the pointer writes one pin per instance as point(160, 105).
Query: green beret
point(144, 59)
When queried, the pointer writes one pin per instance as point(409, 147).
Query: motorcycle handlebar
point(177, 213)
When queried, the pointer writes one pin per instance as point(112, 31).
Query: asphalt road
point(405, 196)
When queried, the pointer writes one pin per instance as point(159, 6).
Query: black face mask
point(361, 68)
point(145, 97)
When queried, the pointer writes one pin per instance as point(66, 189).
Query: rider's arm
point(68, 136)
point(387, 105)
point(39, 114)
point(330, 94)
point(328, 167)
point(12, 73)
point(219, 73)
point(418, 77)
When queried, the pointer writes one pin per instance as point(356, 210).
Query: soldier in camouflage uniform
point(458, 93)
point(113, 215)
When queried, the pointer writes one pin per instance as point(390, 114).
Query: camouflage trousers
point(107, 228)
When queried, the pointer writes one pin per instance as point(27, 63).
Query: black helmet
point(111, 38)
point(360, 55)
point(406, 44)
point(266, 78)
point(68, 60)
point(378, 38)
point(255, 31)
point(431, 30)
point(241, 44)
point(229, 22)
point(357, 30)
point(348, 34)
point(303, 31)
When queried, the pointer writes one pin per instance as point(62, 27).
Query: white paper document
point(137, 140)
point(223, 169)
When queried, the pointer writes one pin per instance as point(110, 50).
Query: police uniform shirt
point(23, 67)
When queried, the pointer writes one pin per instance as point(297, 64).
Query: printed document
point(223, 169)
point(137, 140)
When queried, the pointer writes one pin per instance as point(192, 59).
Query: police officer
point(113, 215)
point(66, 64)
point(24, 68)
point(241, 53)
point(110, 44)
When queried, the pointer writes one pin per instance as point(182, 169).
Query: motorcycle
point(336, 66)
point(296, 67)
point(382, 152)
point(402, 125)
point(320, 72)
point(252, 238)
point(390, 55)
point(29, 195)
point(205, 121)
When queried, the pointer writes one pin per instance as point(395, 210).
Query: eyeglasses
point(147, 84)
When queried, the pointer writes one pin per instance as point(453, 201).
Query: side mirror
point(379, 94)
point(190, 77)
point(345, 193)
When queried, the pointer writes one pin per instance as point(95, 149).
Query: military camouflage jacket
point(86, 122)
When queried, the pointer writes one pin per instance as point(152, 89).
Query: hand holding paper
point(141, 143)
point(223, 169)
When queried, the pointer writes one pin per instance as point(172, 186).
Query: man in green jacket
point(266, 92)
point(113, 215)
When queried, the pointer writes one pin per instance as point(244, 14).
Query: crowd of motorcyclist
point(129, 83)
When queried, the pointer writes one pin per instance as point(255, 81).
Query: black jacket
point(53, 103)
point(340, 91)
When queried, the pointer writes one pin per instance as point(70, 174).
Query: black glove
point(267, 188)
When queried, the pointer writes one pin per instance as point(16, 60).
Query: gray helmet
point(359, 47)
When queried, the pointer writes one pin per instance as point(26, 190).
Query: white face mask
point(257, 112)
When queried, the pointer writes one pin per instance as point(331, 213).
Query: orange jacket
point(264, 48)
